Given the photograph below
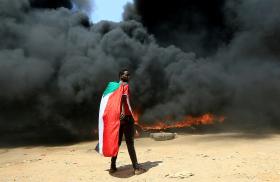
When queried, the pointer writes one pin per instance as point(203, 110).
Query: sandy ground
point(210, 157)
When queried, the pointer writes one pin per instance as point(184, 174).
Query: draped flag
point(109, 119)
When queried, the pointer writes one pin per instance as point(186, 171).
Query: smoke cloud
point(221, 58)
point(194, 25)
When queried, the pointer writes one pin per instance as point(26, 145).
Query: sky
point(108, 10)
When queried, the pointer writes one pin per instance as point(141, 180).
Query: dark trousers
point(127, 129)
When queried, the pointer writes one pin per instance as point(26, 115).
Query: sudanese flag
point(109, 118)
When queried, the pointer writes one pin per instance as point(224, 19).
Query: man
point(116, 120)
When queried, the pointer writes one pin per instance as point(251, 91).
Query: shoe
point(139, 170)
point(112, 170)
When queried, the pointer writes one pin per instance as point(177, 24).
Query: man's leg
point(129, 139)
point(114, 159)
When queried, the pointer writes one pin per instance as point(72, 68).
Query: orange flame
point(188, 121)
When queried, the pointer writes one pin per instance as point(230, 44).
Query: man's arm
point(128, 104)
point(123, 100)
point(130, 108)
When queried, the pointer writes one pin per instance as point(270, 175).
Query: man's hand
point(122, 116)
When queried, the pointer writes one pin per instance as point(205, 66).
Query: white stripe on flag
point(103, 105)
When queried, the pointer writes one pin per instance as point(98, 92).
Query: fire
point(188, 121)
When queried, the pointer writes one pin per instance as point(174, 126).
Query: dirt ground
point(209, 157)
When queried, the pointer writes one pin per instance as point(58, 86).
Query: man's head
point(124, 75)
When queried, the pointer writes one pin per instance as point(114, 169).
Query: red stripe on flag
point(111, 120)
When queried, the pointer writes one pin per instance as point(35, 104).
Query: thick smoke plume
point(54, 64)
point(193, 25)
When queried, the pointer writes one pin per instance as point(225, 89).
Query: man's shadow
point(127, 171)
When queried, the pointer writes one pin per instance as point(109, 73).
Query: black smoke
point(240, 75)
point(55, 64)
point(51, 4)
point(194, 25)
